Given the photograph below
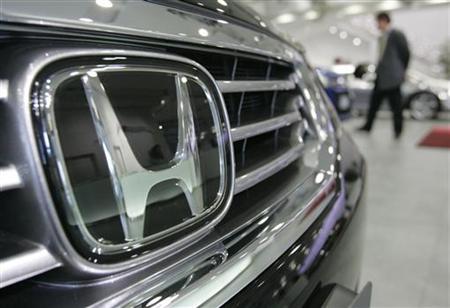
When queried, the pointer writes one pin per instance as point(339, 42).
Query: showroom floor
point(407, 246)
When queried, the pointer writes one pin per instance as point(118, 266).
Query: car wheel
point(424, 105)
point(344, 103)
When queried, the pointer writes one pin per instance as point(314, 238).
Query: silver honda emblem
point(117, 195)
point(131, 182)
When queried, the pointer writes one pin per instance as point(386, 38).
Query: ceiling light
point(222, 2)
point(389, 5)
point(354, 9)
point(343, 69)
point(104, 3)
point(312, 15)
point(285, 18)
point(333, 29)
point(343, 35)
point(221, 21)
point(203, 32)
point(357, 41)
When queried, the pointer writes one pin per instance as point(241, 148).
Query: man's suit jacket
point(394, 61)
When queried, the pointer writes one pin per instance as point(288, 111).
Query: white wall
point(426, 28)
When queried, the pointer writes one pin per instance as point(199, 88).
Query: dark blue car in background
point(336, 87)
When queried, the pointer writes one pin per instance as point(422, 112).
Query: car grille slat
point(265, 112)
point(268, 168)
point(261, 127)
point(21, 259)
point(9, 178)
point(229, 86)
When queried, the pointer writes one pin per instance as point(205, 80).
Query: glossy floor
point(407, 248)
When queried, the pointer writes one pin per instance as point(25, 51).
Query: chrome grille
point(265, 117)
point(265, 112)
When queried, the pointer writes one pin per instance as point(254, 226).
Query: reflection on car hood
point(230, 8)
point(147, 20)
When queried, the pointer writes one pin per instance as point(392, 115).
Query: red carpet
point(438, 137)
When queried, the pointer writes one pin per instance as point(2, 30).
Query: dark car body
point(293, 234)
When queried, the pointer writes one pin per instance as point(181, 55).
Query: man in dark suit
point(393, 62)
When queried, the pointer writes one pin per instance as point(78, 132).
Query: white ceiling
point(275, 10)
point(346, 29)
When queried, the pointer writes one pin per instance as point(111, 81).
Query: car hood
point(230, 8)
point(148, 20)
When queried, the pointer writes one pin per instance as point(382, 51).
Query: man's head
point(383, 21)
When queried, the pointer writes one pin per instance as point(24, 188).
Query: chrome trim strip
point(33, 260)
point(254, 129)
point(257, 175)
point(9, 178)
point(228, 86)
